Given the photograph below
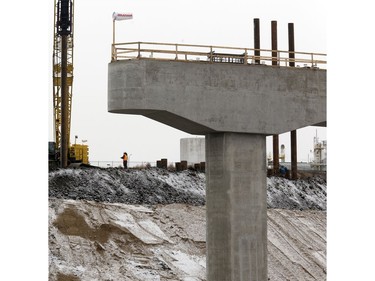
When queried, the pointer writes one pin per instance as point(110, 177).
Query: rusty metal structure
point(293, 134)
point(256, 41)
point(275, 138)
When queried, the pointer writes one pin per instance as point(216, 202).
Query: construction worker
point(124, 158)
point(283, 170)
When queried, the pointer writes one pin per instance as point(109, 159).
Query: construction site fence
point(215, 54)
point(115, 164)
point(301, 166)
point(134, 164)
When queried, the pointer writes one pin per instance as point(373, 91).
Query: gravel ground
point(157, 186)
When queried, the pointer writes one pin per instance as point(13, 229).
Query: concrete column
point(236, 207)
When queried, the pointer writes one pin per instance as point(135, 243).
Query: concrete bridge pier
point(236, 107)
point(236, 206)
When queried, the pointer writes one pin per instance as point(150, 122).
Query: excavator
point(60, 152)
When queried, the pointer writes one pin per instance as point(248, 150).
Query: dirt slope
point(112, 224)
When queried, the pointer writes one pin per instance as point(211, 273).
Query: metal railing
point(302, 166)
point(132, 164)
point(114, 164)
point(214, 54)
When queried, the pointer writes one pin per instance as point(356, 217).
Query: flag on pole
point(122, 16)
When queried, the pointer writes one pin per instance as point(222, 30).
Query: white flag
point(122, 16)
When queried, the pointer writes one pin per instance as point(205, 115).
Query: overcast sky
point(223, 23)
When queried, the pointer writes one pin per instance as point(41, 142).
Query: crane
point(62, 70)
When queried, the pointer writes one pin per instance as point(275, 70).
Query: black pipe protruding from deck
point(291, 44)
point(256, 40)
point(274, 42)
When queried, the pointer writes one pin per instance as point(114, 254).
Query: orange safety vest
point(125, 157)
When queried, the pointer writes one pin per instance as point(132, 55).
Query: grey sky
point(223, 23)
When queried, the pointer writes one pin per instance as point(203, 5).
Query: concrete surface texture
point(236, 207)
point(200, 98)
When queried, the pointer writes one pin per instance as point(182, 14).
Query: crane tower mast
point(62, 75)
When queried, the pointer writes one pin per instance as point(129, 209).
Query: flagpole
point(117, 16)
point(113, 31)
point(113, 40)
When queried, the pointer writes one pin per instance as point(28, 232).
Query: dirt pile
point(302, 194)
point(150, 225)
point(111, 241)
point(158, 186)
point(131, 186)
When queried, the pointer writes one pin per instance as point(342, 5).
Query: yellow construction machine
point(61, 151)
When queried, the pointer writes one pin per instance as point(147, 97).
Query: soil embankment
point(143, 225)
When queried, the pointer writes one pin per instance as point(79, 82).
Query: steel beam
point(275, 138)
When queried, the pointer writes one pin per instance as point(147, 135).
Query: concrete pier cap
point(235, 107)
point(201, 98)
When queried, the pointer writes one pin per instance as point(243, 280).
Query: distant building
point(319, 162)
point(193, 150)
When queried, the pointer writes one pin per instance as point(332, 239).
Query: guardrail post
point(211, 54)
point(139, 50)
point(176, 58)
point(245, 60)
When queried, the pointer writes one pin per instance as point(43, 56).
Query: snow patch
point(189, 264)
point(127, 222)
point(154, 229)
